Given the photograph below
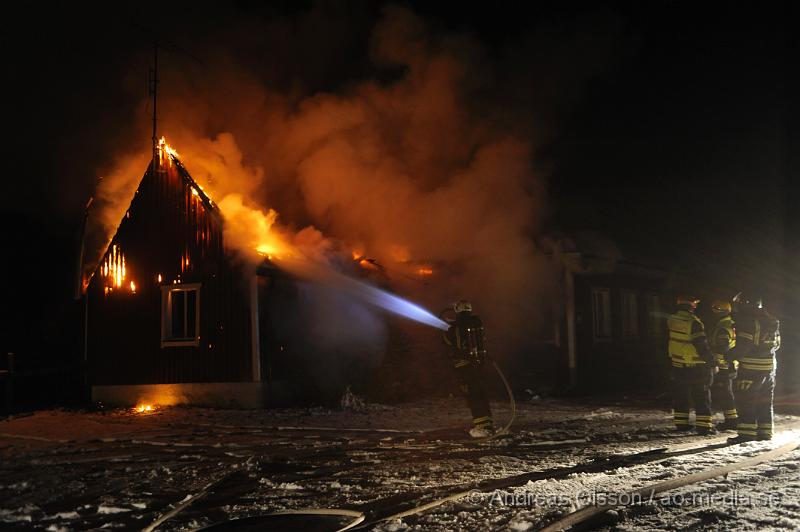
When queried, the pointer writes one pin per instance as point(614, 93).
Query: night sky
point(668, 127)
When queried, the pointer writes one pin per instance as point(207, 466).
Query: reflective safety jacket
point(722, 340)
point(688, 346)
point(758, 339)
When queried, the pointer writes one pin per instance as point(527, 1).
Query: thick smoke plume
point(427, 169)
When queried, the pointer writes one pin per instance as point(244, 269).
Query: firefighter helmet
point(685, 299)
point(721, 307)
point(462, 306)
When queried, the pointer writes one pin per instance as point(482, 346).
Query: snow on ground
point(66, 470)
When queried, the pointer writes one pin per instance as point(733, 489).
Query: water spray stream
point(363, 291)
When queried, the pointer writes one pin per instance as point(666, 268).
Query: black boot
point(706, 431)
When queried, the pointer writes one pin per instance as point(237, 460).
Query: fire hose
point(356, 516)
point(511, 401)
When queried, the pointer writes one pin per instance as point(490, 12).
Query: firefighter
point(722, 339)
point(693, 366)
point(466, 340)
point(758, 338)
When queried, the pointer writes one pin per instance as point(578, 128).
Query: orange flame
point(114, 268)
point(253, 227)
point(163, 148)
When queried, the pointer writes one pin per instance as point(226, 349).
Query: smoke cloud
point(427, 166)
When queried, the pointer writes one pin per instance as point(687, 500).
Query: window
point(180, 315)
point(654, 317)
point(630, 315)
point(601, 314)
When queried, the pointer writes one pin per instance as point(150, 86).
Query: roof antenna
point(154, 94)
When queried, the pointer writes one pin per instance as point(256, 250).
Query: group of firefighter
point(731, 361)
point(734, 357)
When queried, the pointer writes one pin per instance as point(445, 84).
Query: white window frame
point(629, 302)
point(166, 315)
point(601, 326)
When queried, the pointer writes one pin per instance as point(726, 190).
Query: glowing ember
point(425, 271)
point(159, 278)
point(133, 287)
point(143, 409)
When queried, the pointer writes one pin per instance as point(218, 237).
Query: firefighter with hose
point(465, 337)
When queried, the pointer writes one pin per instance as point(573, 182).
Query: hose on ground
point(358, 517)
point(511, 400)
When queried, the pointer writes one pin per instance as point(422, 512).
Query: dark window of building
point(601, 314)
point(630, 314)
point(654, 318)
point(180, 315)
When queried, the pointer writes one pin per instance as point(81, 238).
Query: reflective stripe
point(758, 363)
point(680, 418)
point(704, 421)
point(481, 420)
point(677, 364)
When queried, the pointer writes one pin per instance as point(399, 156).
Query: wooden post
point(572, 355)
point(255, 340)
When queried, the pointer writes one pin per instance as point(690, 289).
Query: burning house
point(170, 317)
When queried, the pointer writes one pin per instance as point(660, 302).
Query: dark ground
point(71, 469)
